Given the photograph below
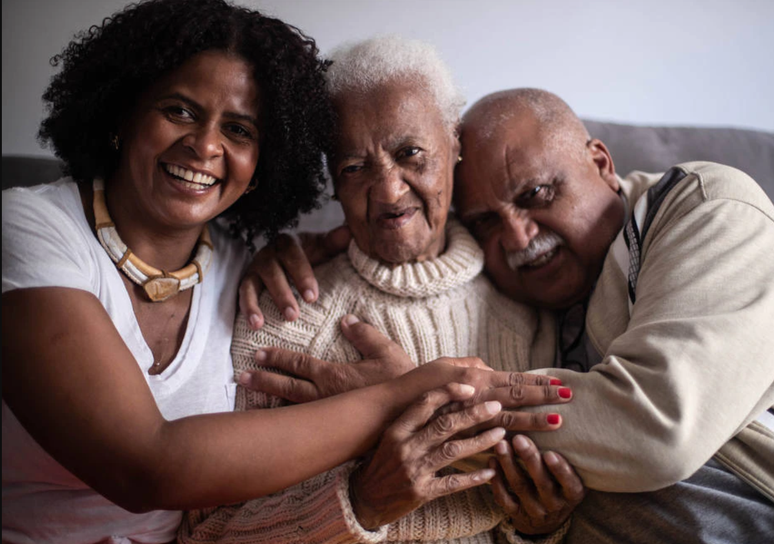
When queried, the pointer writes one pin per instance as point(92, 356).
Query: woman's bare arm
point(74, 385)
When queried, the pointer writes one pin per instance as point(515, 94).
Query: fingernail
point(565, 392)
point(484, 475)
point(309, 295)
point(350, 319)
point(501, 448)
point(244, 378)
point(255, 321)
point(260, 355)
point(520, 443)
point(498, 433)
point(553, 419)
point(555, 381)
point(466, 389)
point(289, 313)
point(550, 458)
point(493, 407)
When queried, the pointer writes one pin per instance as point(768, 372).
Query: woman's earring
point(114, 141)
point(459, 158)
point(252, 186)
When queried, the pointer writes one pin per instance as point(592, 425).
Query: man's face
point(393, 171)
point(544, 213)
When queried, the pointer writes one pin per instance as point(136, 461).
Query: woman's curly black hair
point(106, 68)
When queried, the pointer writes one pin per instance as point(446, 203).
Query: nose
point(518, 230)
point(388, 185)
point(205, 141)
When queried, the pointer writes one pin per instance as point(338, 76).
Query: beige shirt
point(692, 366)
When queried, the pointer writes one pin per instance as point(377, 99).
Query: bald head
point(549, 115)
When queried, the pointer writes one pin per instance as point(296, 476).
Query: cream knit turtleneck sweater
point(440, 307)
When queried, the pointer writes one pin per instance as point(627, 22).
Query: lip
point(396, 219)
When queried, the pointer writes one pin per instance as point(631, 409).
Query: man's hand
point(402, 474)
point(538, 494)
point(293, 258)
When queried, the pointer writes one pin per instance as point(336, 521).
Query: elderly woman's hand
point(306, 378)
point(402, 474)
point(538, 494)
point(292, 258)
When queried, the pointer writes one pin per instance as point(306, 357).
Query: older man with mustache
point(662, 286)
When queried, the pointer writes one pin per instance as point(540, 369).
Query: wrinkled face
point(544, 217)
point(190, 147)
point(393, 170)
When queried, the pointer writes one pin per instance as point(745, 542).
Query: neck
point(162, 246)
point(462, 261)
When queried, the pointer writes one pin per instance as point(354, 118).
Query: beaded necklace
point(158, 284)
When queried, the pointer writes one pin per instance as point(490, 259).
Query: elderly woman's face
point(190, 148)
point(393, 167)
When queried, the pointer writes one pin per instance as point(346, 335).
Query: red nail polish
point(565, 392)
point(555, 381)
point(553, 419)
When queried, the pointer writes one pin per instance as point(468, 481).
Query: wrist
point(363, 515)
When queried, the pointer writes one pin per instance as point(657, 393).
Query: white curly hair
point(361, 66)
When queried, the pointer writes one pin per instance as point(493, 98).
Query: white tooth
point(208, 180)
point(188, 175)
point(197, 177)
point(178, 171)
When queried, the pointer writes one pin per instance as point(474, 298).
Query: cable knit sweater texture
point(439, 307)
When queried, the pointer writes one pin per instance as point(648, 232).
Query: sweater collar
point(462, 261)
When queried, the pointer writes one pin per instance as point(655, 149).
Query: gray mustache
point(542, 243)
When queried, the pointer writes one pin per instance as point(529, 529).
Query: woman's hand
point(538, 494)
point(293, 258)
point(402, 474)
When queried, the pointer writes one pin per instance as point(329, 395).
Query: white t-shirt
point(48, 242)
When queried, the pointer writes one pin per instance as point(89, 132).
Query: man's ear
point(603, 162)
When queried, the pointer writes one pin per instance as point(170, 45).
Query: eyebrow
point(391, 145)
point(229, 114)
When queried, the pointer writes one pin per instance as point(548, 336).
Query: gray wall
point(702, 62)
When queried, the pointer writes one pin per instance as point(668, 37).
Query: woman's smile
point(190, 178)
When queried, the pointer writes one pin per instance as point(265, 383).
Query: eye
point(240, 131)
point(351, 169)
point(536, 196)
point(481, 225)
point(179, 113)
point(408, 151)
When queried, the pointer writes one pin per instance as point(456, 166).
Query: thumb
point(367, 340)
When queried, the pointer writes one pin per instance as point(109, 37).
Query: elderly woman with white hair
point(413, 273)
